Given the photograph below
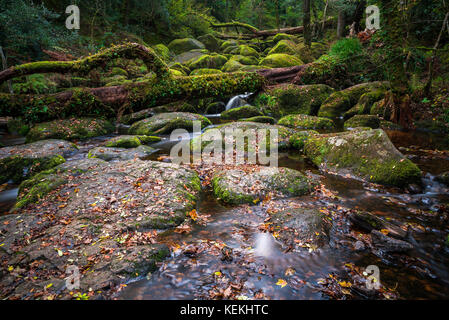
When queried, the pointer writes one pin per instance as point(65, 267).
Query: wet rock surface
point(110, 154)
point(102, 221)
point(165, 123)
point(255, 184)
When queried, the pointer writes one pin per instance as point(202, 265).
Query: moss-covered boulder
point(300, 228)
point(213, 61)
point(215, 107)
point(367, 154)
point(364, 120)
point(163, 51)
point(183, 45)
point(180, 67)
point(240, 113)
point(284, 46)
point(292, 99)
point(110, 154)
point(246, 60)
point(165, 123)
point(280, 60)
point(129, 142)
point(232, 66)
point(247, 128)
point(228, 44)
point(248, 51)
point(284, 36)
point(186, 57)
point(202, 72)
point(70, 129)
point(260, 119)
point(365, 103)
point(252, 186)
point(388, 125)
point(212, 43)
point(18, 163)
point(379, 109)
point(340, 102)
point(318, 49)
point(299, 139)
point(305, 122)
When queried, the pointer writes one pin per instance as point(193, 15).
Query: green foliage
point(346, 49)
point(27, 28)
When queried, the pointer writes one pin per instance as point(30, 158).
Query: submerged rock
point(292, 99)
point(70, 129)
point(340, 102)
point(102, 218)
point(129, 142)
point(165, 123)
point(18, 163)
point(238, 186)
point(301, 227)
point(241, 112)
point(364, 120)
point(301, 121)
point(109, 154)
point(367, 154)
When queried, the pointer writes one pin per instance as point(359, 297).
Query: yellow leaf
point(281, 282)
point(385, 231)
point(218, 274)
point(49, 286)
point(256, 201)
point(193, 214)
point(345, 284)
point(10, 268)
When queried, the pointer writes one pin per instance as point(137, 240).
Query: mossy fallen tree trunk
point(112, 102)
point(256, 33)
point(85, 65)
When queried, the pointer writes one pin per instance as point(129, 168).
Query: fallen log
point(256, 33)
point(85, 65)
point(114, 101)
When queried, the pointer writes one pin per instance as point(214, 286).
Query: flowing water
point(198, 265)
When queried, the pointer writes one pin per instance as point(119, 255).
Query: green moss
point(247, 51)
point(18, 168)
point(363, 121)
point(240, 113)
point(292, 99)
point(201, 72)
point(232, 66)
point(340, 102)
point(208, 62)
point(70, 129)
point(129, 142)
point(301, 121)
point(246, 60)
point(299, 139)
point(284, 46)
point(162, 51)
point(280, 60)
point(183, 45)
point(260, 119)
point(367, 153)
point(284, 36)
point(119, 72)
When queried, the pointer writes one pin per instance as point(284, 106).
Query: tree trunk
point(307, 29)
point(5, 66)
point(341, 24)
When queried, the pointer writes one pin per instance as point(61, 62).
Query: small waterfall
point(237, 101)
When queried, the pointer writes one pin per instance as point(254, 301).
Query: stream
point(257, 260)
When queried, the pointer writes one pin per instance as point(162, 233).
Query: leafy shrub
point(345, 49)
